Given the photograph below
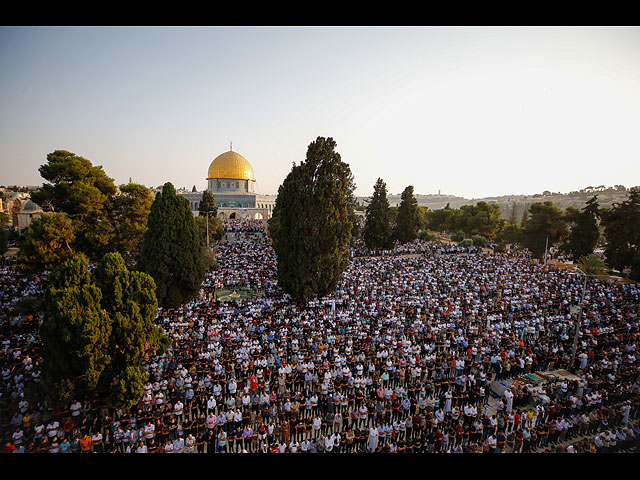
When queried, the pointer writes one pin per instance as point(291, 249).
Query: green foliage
point(97, 329)
point(457, 236)
point(46, 243)
point(210, 262)
point(75, 333)
point(353, 218)
point(103, 218)
point(467, 242)
point(480, 219)
point(442, 220)
point(312, 222)
point(408, 221)
point(572, 214)
point(216, 230)
point(128, 214)
point(479, 241)
point(171, 251)
point(501, 247)
point(510, 234)
point(129, 299)
point(584, 233)
point(592, 264)
point(84, 193)
point(393, 215)
point(75, 185)
point(207, 204)
point(622, 230)
point(428, 236)
point(377, 233)
point(545, 221)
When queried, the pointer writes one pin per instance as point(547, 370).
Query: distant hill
point(508, 203)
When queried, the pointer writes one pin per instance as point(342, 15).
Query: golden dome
point(230, 165)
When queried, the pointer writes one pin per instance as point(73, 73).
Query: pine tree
point(546, 221)
point(171, 250)
point(622, 231)
point(377, 233)
point(584, 235)
point(82, 191)
point(408, 220)
point(311, 223)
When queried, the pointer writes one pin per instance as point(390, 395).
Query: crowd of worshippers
point(243, 225)
point(400, 359)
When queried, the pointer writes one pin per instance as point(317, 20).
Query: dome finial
point(231, 146)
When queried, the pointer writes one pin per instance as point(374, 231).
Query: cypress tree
point(311, 224)
point(207, 204)
point(171, 250)
point(377, 233)
point(408, 221)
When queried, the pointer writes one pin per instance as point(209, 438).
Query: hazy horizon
point(469, 111)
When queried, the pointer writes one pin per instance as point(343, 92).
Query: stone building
point(231, 181)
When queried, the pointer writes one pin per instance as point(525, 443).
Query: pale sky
point(469, 111)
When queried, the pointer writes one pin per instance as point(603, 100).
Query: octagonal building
point(231, 181)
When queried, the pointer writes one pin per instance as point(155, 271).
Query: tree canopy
point(171, 250)
point(377, 232)
point(545, 221)
point(75, 333)
point(128, 213)
point(46, 242)
point(408, 220)
point(82, 191)
point(103, 217)
point(207, 205)
point(584, 233)
point(312, 222)
point(622, 231)
point(97, 329)
point(481, 219)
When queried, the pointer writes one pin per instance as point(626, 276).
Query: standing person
point(97, 444)
point(190, 444)
point(373, 439)
point(221, 441)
